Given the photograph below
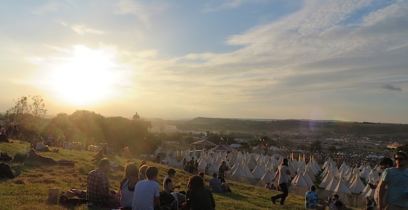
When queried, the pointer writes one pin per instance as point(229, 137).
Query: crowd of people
point(140, 190)
point(190, 166)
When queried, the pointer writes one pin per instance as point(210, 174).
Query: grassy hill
point(30, 189)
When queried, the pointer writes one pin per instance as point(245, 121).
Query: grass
point(30, 189)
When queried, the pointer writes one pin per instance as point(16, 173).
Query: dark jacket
point(201, 199)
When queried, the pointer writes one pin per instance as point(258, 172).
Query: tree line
point(26, 120)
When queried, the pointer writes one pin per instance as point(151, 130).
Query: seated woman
point(127, 186)
point(167, 199)
point(215, 184)
point(199, 197)
point(224, 185)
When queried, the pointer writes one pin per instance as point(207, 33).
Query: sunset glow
point(87, 76)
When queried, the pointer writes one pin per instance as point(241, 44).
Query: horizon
point(264, 59)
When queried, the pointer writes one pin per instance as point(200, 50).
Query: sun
point(86, 76)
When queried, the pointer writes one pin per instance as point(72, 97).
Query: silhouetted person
point(199, 197)
point(223, 168)
point(215, 184)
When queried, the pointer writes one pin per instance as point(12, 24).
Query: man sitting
point(215, 184)
point(147, 192)
point(98, 193)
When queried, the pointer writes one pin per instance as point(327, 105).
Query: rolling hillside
point(30, 189)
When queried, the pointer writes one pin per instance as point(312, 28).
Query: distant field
point(38, 179)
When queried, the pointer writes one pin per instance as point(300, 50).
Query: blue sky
point(320, 59)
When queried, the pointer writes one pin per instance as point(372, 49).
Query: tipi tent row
point(348, 180)
point(261, 169)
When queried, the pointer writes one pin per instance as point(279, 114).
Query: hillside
point(292, 126)
point(30, 189)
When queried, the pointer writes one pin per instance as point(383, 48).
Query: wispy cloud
point(228, 4)
point(82, 29)
point(392, 87)
point(142, 11)
point(49, 7)
point(307, 53)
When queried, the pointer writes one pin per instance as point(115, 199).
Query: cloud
point(392, 87)
point(82, 29)
point(142, 11)
point(229, 4)
point(315, 51)
point(49, 7)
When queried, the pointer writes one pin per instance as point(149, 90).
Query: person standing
point(385, 163)
point(393, 186)
point(222, 169)
point(147, 192)
point(283, 175)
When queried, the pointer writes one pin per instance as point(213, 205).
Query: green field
point(30, 189)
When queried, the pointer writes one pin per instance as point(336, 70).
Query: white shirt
point(283, 174)
point(144, 194)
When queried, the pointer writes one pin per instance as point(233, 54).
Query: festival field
point(30, 189)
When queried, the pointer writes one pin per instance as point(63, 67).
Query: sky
point(275, 59)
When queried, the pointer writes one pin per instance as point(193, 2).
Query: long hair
point(285, 162)
point(195, 183)
point(131, 170)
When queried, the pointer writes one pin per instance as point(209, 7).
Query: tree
point(316, 146)
point(25, 118)
point(37, 106)
point(26, 105)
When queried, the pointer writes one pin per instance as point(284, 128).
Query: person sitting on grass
point(168, 181)
point(215, 184)
point(142, 172)
point(202, 174)
point(199, 197)
point(311, 198)
point(98, 192)
point(224, 185)
point(335, 203)
point(147, 192)
point(127, 186)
